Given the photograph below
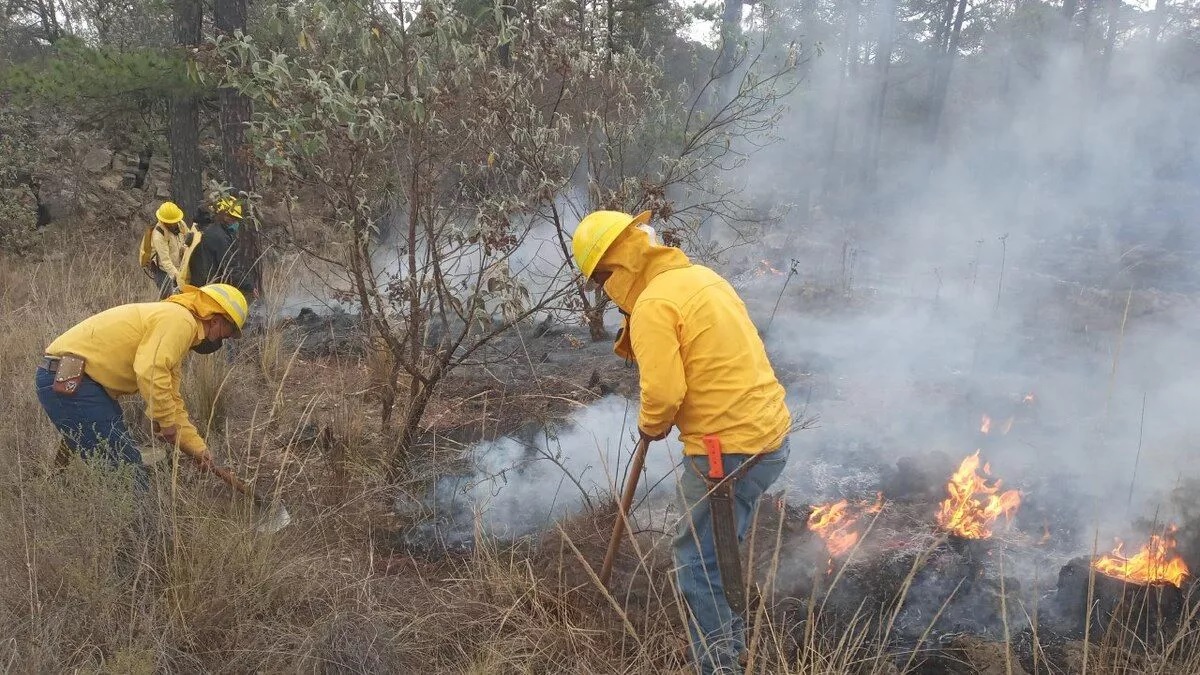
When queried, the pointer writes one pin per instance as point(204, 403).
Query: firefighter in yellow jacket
point(167, 242)
point(135, 348)
point(703, 368)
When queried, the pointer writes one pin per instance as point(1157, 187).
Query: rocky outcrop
point(79, 176)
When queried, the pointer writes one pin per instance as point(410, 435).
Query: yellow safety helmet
point(597, 232)
point(169, 213)
point(231, 301)
point(230, 206)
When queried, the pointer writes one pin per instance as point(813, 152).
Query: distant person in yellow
point(703, 369)
point(167, 248)
point(135, 348)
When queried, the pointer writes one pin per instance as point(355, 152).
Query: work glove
point(204, 461)
point(169, 434)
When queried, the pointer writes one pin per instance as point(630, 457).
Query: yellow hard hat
point(169, 213)
point(597, 232)
point(230, 206)
point(231, 301)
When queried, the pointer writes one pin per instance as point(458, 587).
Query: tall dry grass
point(94, 580)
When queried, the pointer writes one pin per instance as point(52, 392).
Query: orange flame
point(834, 523)
point(974, 505)
point(764, 268)
point(1028, 398)
point(985, 425)
point(1156, 562)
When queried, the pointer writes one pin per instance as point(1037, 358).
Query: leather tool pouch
point(68, 375)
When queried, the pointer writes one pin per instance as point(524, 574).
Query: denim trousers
point(92, 425)
point(717, 636)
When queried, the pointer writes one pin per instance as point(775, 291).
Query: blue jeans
point(717, 636)
point(92, 424)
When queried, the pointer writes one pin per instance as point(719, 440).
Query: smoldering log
point(1148, 610)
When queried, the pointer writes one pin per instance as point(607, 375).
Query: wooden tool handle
point(618, 532)
point(226, 474)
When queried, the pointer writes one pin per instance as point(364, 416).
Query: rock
point(97, 160)
point(59, 204)
point(147, 215)
point(110, 183)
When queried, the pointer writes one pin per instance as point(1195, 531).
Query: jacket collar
point(634, 261)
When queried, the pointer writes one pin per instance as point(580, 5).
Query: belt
point(50, 363)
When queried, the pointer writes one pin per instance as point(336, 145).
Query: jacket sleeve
point(654, 331)
point(190, 440)
point(157, 366)
point(162, 254)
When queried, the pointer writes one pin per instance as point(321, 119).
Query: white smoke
point(520, 486)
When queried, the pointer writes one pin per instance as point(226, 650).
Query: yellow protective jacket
point(168, 245)
point(702, 365)
point(140, 348)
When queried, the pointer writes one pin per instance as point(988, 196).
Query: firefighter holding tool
point(136, 348)
point(704, 369)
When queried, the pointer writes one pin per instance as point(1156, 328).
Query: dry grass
point(90, 581)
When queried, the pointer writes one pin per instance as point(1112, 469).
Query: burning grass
point(974, 504)
point(838, 523)
point(1155, 563)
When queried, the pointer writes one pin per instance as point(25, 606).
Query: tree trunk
point(593, 310)
point(883, 60)
point(852, 46)
point(229, 17)
point(595, 323)
point(610, 19)
point(1110, 40)
point(944, 67)
point(942, 35)
point(808, 24)
point(505, 50)
point(1069, 9)
point(48, 17)
point(183, 134)
point(418, 401)
point(1085, 20)
point(1158, 19)
point(833, 169)
point(731, 32)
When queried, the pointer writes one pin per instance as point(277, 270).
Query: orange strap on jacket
point(716, 465)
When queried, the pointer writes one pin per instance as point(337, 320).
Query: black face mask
point(207, 346)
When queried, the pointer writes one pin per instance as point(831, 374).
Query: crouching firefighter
point(135, 348)
point(703, 369)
